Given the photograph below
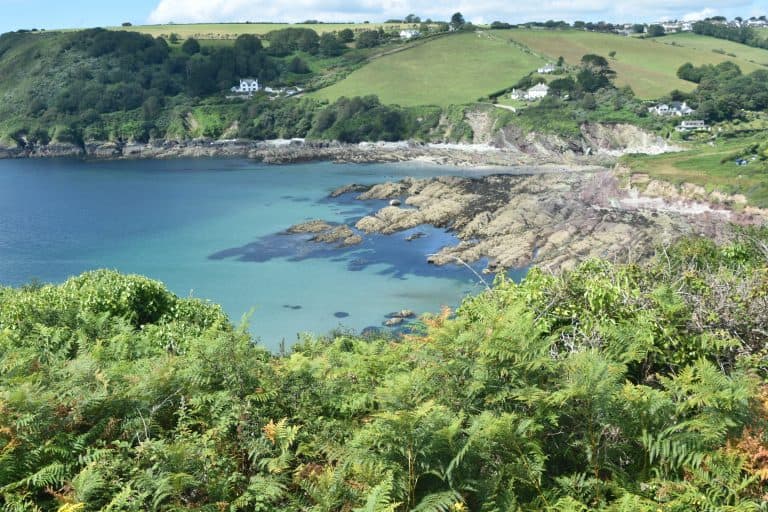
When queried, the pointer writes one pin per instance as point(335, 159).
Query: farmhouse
point(690, 126)
point(549, 68)
point(675, 108)
point(247, 86)
point(534, 93)
point(537, 92)
point(409, 34)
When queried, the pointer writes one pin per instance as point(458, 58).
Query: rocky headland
point(553, 220)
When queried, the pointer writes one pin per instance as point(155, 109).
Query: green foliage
point(606, 388)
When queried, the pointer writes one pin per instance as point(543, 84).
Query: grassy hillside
point(649, 66)
point(449, 70)
point(232, 30)
point(712, 167)
point(710, 44)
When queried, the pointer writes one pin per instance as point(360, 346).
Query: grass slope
point(232, 30)
point(448, 70)
point(712, 167)
point(649, 66)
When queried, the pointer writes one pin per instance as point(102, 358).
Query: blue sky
point(51, 14)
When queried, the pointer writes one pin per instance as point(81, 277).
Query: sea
point(215, 229)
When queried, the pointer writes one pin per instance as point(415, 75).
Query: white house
point(675, 108)
point(247, 86)
point(534, 93)
point(537, 92)
point(549, 68)
point(689, 126)
point(409, 34)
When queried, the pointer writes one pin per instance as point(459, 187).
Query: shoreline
point(299, 150)
point(551, 220)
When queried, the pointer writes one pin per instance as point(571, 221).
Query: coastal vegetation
point(648, 66)
point(610, 387)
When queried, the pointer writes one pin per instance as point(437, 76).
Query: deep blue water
point(212, 229)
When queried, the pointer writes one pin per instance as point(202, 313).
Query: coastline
point(300, 150)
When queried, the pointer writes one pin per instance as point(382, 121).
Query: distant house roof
point(539, 88)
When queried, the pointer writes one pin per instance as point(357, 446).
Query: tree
point(329, 45)
point(298, 66)
point(368, 39)
point(346, 35)
point(588, 102)
point(457, 21)
point(595, 73)
point(612, 54)
point(190, 46)
point(561, 86)
point(656, 31)
point(638, 28)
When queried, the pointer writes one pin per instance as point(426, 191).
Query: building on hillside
point(409, 33)
point(247, 86)
point(756, 23)
point(549, 68)
point(671, 27)
point(675, 108)
point(537, 92)
point(534, 93)
point(692, 126)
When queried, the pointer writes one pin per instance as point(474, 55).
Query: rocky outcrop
point(598, 144)
point(622, 139)
point(324, 232)
point(551, 220)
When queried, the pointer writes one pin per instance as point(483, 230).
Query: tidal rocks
point(324, 232)
point(551, 220)
point(347, 189)
point(415, 236)
point(311, 226)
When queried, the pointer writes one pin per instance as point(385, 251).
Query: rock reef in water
point(324, 232)
point(551, 220)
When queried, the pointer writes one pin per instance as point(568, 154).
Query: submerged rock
point(346, 189)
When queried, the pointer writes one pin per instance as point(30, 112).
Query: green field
point(448, 70)
point(711, 44)
point(232, 30)
point(649, 66)
point(712, 167)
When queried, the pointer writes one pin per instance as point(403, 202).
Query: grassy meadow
point(232, 30)
point(448, 70)
point(649, 66)
point(741, 51)
point(711, 166)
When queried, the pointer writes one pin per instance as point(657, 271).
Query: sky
point(52, 14)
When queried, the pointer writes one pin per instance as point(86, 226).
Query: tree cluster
point(744, 35)
point(724, 92)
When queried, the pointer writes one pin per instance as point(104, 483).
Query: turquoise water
point(211, 229)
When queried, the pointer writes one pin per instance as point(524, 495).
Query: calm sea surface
point(211, 229)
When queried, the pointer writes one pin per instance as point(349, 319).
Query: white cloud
point(478, 10)
point(699, 15)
